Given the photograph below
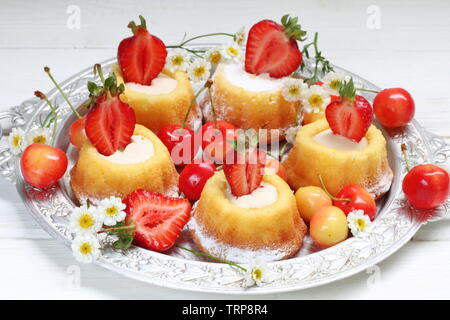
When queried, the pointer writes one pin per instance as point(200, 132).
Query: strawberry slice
point(246, 173)
point(350, 115)
point(158, 219)
point(272, 48)
point(142, 56)
point(110, 124)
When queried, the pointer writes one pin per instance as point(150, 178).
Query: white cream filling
point(138, 150)
point(263, 196)
point(335, 141)
point(162, 84)
point(236, 74)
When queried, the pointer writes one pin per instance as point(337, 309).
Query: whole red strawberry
point(158, 219)
point(110, 122)
point(350, 115)
point(142, 56)
point(272, 48)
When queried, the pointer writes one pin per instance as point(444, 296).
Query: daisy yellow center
point(361, 224)
point(85, 248)
point(334, 84)
point(39, 139)
point(112, 211)
point(16, 141)
point(177, 60)
point(233, 51)
point(294, 91)
point(199, 71)
point(257, 274)
point(215, 57)
point(315, 100)
point(86, 221)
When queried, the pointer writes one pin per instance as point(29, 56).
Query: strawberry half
point(158, 219)
point(272, 48)
point(350, 115)
point(246, 173)
point(142, 56)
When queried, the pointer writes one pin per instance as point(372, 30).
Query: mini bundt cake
point(340, 161)
point(248, 101)
point(144, 164)
point(263, 225)
point(164, 102)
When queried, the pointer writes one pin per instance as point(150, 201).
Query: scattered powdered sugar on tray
point(224, 251)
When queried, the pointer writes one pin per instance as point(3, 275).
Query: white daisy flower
point(199, 70)
point(315, 99)
point(177, 59)
point(257, 273)
point(358, 222)
point(232, 52)
point(292, 88)
point(111, 210)
point(16, 141)
point(39, 135)
point(291, 134)
point(331, 81)
point(214, 55)
point(85, 220)
point(239, 36)
point(86, 248)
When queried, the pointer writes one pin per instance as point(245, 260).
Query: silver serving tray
point(394, 226)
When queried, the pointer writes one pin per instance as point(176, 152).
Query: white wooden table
point(411, 49)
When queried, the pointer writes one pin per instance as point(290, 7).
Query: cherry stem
point(212, 257)
point(53, 113)
point(47, 70)
point(328, 193)
point(297, 115)
point(405, 156)
point(191, 105)
point(128, 227)
point(282, 151)
point(212, 107)
point(367, 90)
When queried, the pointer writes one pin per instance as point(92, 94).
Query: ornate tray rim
point(397, 217)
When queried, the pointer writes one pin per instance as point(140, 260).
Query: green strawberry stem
point(367, 90)
point(405, 156)
point(191, 105)
point(42, 96)
point(328, 193)
point(212, 257)
point(98, 69)
point(47, 70)
point(125, 227)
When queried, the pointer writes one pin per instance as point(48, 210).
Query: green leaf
point(92, 87)
point(347, 89)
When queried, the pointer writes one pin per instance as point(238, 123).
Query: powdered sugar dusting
point(382, 185)
point(224, 251)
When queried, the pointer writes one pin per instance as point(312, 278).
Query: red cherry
point(426, 186)
point(43, 165)
point(215, 139)
point(77, 134)
point(194, 176)
point(360, 199)
point(173, 135)
point(394, 107)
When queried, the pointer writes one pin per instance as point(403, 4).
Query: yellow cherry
point(310, 200)
point(328, 226)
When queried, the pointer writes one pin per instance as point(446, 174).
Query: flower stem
point(297, 115)
point(199, 37)
point(212, 257)
point(191, 105)
point(47, 70)
point(367, 90)
point(405, 156)
point(328, 193)
point(128, 227)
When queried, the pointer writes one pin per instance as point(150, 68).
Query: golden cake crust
point(367, 167)
point(95, 177)
point(247, 109)
point(158, 110)
point(276, 226)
